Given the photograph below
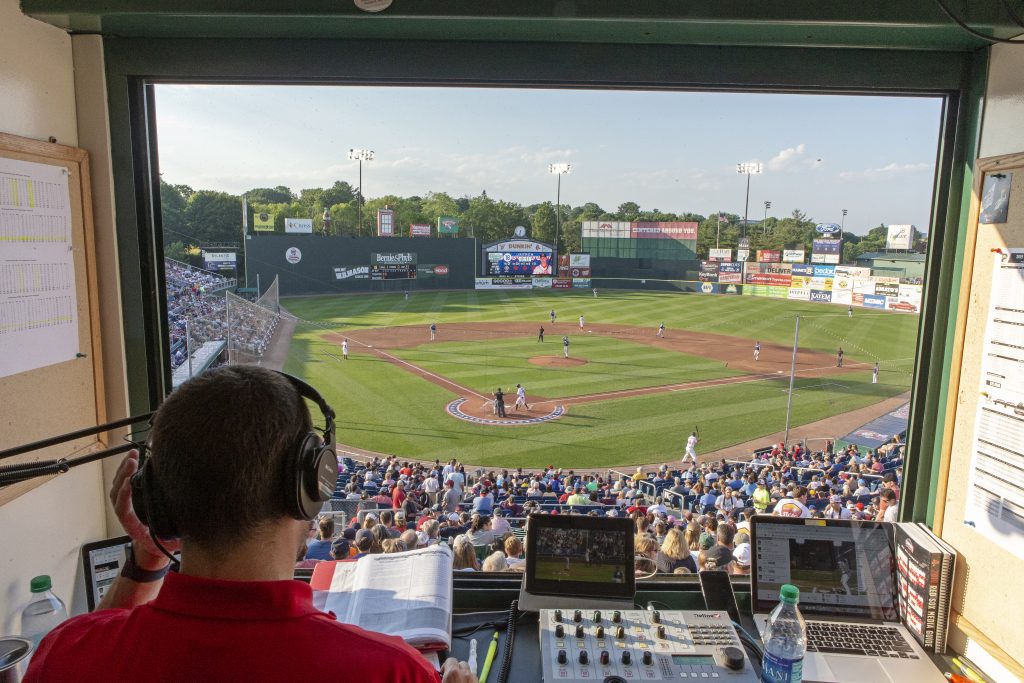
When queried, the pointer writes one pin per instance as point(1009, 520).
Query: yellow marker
point(491, 651)
point(968, 671)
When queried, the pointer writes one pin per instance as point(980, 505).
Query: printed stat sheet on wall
point(38, 298)
point(995, 494)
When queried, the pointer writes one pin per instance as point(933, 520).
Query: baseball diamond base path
point(734, 352)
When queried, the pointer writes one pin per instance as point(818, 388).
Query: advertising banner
point(874, 301)
point(607, 229)
point(504, 283)
point(742, 255)
point(663, 231)
point(447, 225)
point(894, 304)
point(263, 222)
point(385, 223)
point(828, 228)
point(575, 273)
point(776, 279)
point(708, 271)
point(542, 283)
point(853, 271)
point(801, 282)
point(708, 288)
point(579, 260)
point(352, 273)
point(824, 258)
point(842, 297)
point(822, 283)
point(302, 226)
point(858, 299)
point(419, 229)
point(899, 237)
point(730, 273)
point(824, 271)
point(820, 296)
point(863, 285)
point(793, 256)
point(406, 258)
point(778, 292)
point(799, 293)
point(561, 283)
point(720, 254)
point(769, 256)
point(429, 271)
point(886, 289)
point(755, 290)
point(803, 269)
point(582, 283)
point(219, 260)
point(886, 280)
point(841, 283)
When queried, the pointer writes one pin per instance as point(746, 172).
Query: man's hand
point(147, 555)
point(454, 671)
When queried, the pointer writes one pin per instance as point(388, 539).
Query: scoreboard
point(393, 271)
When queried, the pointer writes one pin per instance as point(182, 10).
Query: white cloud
point(787, 157)
point(885, 172)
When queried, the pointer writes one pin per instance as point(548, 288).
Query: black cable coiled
point(506, 655)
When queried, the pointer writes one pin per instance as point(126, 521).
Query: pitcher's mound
point(557, 361)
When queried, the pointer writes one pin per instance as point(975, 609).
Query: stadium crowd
point(688, 518)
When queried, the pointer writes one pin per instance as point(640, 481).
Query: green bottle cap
point(789, 593)
point(40, 584)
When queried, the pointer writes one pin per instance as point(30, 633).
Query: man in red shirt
point(234, 611)
point(398, 495)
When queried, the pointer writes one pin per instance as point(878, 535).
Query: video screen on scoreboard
point(519, 263)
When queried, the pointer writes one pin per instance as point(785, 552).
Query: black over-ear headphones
point(309, 477)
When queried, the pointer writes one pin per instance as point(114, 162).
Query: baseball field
point(624, 396)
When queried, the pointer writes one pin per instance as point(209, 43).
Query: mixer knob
point(559, 631)
point(616, 616)
point(584, 658)
point(656, 617)
point(661, 632)
point(600, 632)
point(597, 616)
point(620, 632)
point(605, 657)
point(579, 630)
point(562, 657)
point(577, 616)
point(558, 615)
point(648, 658)
point(626, 658)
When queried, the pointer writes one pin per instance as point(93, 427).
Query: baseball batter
point(520, 398)
point(344, 349)
point(565, 346)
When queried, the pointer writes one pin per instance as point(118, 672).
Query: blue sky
point(675, 151)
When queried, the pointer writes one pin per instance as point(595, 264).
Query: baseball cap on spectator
point(371, 515)
point(339, 549)
point(742, 554)
point(719, 556)
point(453, 517)
point(835, 499)
point(672, 519)
point(706, 542)
point(860, 506)
point(349, 533)
point(364, 539)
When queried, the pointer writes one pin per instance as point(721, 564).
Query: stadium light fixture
point(764, 226)
point(842, 224)
point(559, 170)
point(360, 155)
point(747, 168)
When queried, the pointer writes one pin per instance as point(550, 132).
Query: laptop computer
point(846, 573)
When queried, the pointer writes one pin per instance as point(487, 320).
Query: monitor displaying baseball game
point(574, 555)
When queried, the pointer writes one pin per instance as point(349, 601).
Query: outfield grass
point(384, 408)
point(612, 364)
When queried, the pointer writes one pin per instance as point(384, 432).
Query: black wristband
point(133, 572)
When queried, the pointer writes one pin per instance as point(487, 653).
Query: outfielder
point(565, 346)
point(344, 349)
point(757, 350)
point(433, 331)
point(874, 375)
point(520, 398)
point(540, 335)
point(661, 330)
point(553, 316)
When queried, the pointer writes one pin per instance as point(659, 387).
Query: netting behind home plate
point(251, 324)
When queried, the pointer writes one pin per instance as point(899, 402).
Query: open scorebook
point(408, 594)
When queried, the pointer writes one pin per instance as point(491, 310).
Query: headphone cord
point(175, 563)
point(506, 660)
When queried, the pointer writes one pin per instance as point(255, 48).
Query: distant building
point(908, 265)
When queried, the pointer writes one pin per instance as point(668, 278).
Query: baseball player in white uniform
point(581, 322)
point(520, 398)
point(691, 447)
point(565, 346)
point(661, 330)
point(344, 349)
point(757, 350)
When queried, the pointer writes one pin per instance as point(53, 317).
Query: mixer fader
point(641, 645)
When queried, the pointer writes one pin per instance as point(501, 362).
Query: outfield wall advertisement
point(842, 285)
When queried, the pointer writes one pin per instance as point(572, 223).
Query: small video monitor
point(103, 561)
point(578, 556)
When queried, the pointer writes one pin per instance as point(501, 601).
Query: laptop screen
point(843, 568)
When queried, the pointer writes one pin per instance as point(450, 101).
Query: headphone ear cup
point(316, 477)
point(149, 505)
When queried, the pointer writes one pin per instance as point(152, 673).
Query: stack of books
point(924, 577)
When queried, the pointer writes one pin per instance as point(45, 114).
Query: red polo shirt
point(206, 629)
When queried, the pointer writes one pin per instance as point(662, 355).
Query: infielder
point(565, 346)
point(520, 398)
point(553, 316)
point(691, 447)
point(540, 335)
point(661, 330)
point(433, 331)
point(874, 375)
point(344, 349)
point(581, 322)
point(757, 350)
point(839, 357)
point(849, 311)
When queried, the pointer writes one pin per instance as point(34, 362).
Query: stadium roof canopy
point(880, 430)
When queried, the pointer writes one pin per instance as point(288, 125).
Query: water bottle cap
point(789, 593)
point(40, 584)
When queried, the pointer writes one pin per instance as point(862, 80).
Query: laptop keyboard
point(829, 637)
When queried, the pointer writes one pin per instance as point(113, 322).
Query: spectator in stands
point(794, 505)
point(514, 553)
point(452, 497)
point(380, 533)
point(890, 507)
point(483, 502)
point(835, 509)
point(431, 529)
point(500, 525)
point(398, 495)
point(495, 562)
point(393, 545)
point(235, 592)
point(741, 559)
point(320, 549)
point(578, 497)
point(341, 549)
point(431, 488)
point(363, 542)
point(645, 551)
point(480, 530)
point(463, 555)
point(862, 488)
point(675, 554)
point(719, 556)
point(658, 508)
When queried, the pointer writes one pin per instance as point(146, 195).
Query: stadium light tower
point(764, 226)
point(558, 170)
point(748, 169)
point(842, 223)
point(360, 155)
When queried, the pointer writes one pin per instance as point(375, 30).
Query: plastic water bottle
point(43, 613)
point(785, 640)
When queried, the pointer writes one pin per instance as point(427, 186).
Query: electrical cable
point(506, 656)
point(962, 24)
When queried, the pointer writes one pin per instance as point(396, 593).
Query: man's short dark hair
point(888, 494)
point(326, 527)
point(726, 533)
point(220, 445)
